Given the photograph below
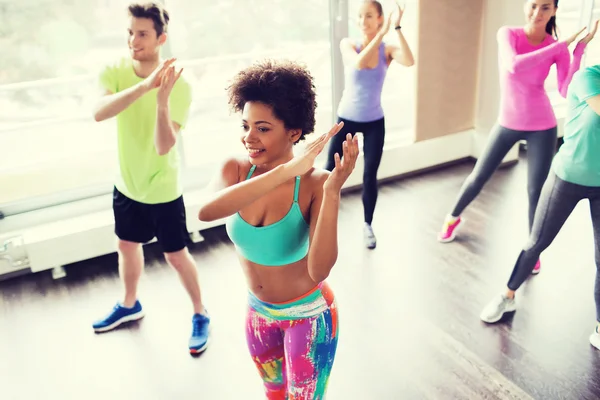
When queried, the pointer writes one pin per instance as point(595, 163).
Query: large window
point(52, 51)
point(218, 39)
point(398, 97)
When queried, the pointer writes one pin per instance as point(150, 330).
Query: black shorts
point(140, 223)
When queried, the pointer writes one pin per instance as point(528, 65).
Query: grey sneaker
point(370, 240)
point(496, 308)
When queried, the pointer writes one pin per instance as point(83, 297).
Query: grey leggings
point(541, 147)
point(557, 201)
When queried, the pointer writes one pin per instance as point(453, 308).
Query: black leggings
point(541, 147)
point(374, 137)
point(557, 201)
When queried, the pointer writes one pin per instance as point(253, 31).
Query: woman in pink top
point(525, 57)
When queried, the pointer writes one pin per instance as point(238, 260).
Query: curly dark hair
point(285, 86)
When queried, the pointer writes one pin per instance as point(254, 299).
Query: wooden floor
point(409, 312)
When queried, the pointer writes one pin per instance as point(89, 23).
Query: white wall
point(496, 14)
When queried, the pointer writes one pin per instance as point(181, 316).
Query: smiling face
point(369, 18)
point(539, 12)
point(277, 101)
point(143, 41)
point(265, 136)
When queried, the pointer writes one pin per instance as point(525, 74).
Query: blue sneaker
point(200, 332)
point(119, 315)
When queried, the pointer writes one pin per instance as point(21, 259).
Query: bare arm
point(349, 54)
point(112, 104)
point(165, 131)
point(401, 54)
point(367, 56)
point(165, 135)
point(229, 196)
point(323, 251)
point(594, 103)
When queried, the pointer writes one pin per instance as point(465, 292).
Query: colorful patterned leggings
point(293, 344)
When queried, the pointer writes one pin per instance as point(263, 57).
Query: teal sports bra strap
point(296, 186)
point(296, 189)
point(251, 172)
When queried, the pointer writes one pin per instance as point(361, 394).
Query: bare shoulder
point(389, 48)
point(347, 43)
point(316, 177)
point(244, 167)
point(231, 170)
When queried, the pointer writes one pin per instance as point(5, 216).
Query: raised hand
point(299, 165)
point(169, 77)
point(386, 25)
point(154, 79)
point(344, 166)
point(400, 13)
point(571, 39)
point(588, 38)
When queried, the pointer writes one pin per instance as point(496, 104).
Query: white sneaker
point(496, 308)
point(370, 240)
point(595, 339)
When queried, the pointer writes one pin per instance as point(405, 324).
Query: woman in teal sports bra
point(282, 217)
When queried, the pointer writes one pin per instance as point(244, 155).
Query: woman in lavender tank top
point(366, 63)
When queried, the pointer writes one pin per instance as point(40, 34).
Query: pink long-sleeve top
point(525, 105)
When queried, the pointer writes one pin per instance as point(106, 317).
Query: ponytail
point(551, 25)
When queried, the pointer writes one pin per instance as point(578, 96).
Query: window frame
point(196, 177)
point(193, 177)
